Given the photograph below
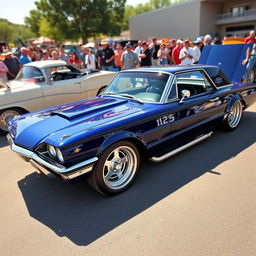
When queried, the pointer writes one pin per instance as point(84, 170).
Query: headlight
point(60, 156)
point(52, 150)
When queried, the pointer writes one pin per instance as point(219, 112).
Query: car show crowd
point(120, 55)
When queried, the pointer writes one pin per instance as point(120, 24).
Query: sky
point(16, 10)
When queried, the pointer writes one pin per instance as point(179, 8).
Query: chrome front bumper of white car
point(46, 167)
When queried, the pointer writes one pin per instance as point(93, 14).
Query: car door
point(63, 89)
point(196, 114)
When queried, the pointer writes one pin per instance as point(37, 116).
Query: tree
point(141, 8)
point(33, 21)
point(82, 18)
point(156, 4)
point(9, 32)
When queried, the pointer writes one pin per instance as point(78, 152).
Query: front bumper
point(46, 168)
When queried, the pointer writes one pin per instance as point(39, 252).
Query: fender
point(118, 136)
point(232, 101)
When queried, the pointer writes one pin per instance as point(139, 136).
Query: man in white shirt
point(196, 50)
point(186, 54)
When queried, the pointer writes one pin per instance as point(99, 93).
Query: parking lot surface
point(199, 202)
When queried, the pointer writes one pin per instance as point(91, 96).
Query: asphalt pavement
point(199, 202)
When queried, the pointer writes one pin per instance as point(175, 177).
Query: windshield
point(30, 74)
point(144, 86)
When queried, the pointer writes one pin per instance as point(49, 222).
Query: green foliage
point(33, 21)
point(156, 4)
point(9, 32)
point(141, 8)
point(77, 18)
point(47, 30)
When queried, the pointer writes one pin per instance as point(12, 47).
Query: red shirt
point(250, 40)
point(175, 55)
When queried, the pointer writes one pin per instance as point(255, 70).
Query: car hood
point(57, 125)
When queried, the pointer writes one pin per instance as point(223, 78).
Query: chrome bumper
point(46, 168)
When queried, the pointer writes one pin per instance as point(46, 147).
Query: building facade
point(196, 18)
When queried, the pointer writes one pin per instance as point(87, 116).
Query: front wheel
point(5, 117)
point(233, 118)
point(116, 169)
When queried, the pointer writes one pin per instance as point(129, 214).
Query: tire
point(233, 118)
point(116, 169)
point(5, 116)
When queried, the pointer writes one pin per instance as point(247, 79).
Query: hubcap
point(235, 114)
point(7, 116)
point(120, 167)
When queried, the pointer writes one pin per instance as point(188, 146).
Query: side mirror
point(184, 94)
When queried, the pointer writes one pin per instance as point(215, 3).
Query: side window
point(173, 93)
point(194, 81)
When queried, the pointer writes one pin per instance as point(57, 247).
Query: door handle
point(77, 83)
point(215, 99)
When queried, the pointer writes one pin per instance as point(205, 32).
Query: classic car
point(154, 112)
point(47, 83)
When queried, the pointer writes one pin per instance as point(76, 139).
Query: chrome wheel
point(116, 168)
point(120, 167)
point(235, 114)
point(6, 116)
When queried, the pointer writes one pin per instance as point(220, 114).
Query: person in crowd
point(163, 54)
point(12, 63)
point(62, 54)
point(154, 48)
point(74, 60)
point(83, 56)
point(90, 60)
point(32, 55)
point(24, 57)
point(45, 55)
point(138, 48)
point(106, 56)
point(145, 55)
point(207, 40)
point(129, 58)
point(97, 51)
point(250, 62)
point(176, 52)
point(196, 50)
point(3, 69)
point(186, 54)
point(118, 56)
point(172, 45)
point(251, 38)
point(54, 55)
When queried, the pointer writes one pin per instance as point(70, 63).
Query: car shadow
point(82, 215)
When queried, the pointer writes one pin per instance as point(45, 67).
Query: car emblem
point(77, 150)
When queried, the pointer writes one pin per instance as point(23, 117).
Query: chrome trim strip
point(177, 150)
point(62, 171)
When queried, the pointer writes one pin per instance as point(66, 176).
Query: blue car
point(152, 112)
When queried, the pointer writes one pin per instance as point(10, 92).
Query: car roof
point(175, 68)
point(46, 63)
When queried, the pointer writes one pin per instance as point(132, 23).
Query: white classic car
point(43, 84)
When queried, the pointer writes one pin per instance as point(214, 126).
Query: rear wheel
point(234, 116)
point(116, 169)
point(5, 116)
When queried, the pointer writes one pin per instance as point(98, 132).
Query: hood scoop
point(78, 109)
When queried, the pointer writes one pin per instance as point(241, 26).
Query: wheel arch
point(123, 136)
point(23, 110)
point(233, 100)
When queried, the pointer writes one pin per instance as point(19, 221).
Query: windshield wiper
point(131, 97)
point(108, 93)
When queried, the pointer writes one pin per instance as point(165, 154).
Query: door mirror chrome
point(184, 94)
